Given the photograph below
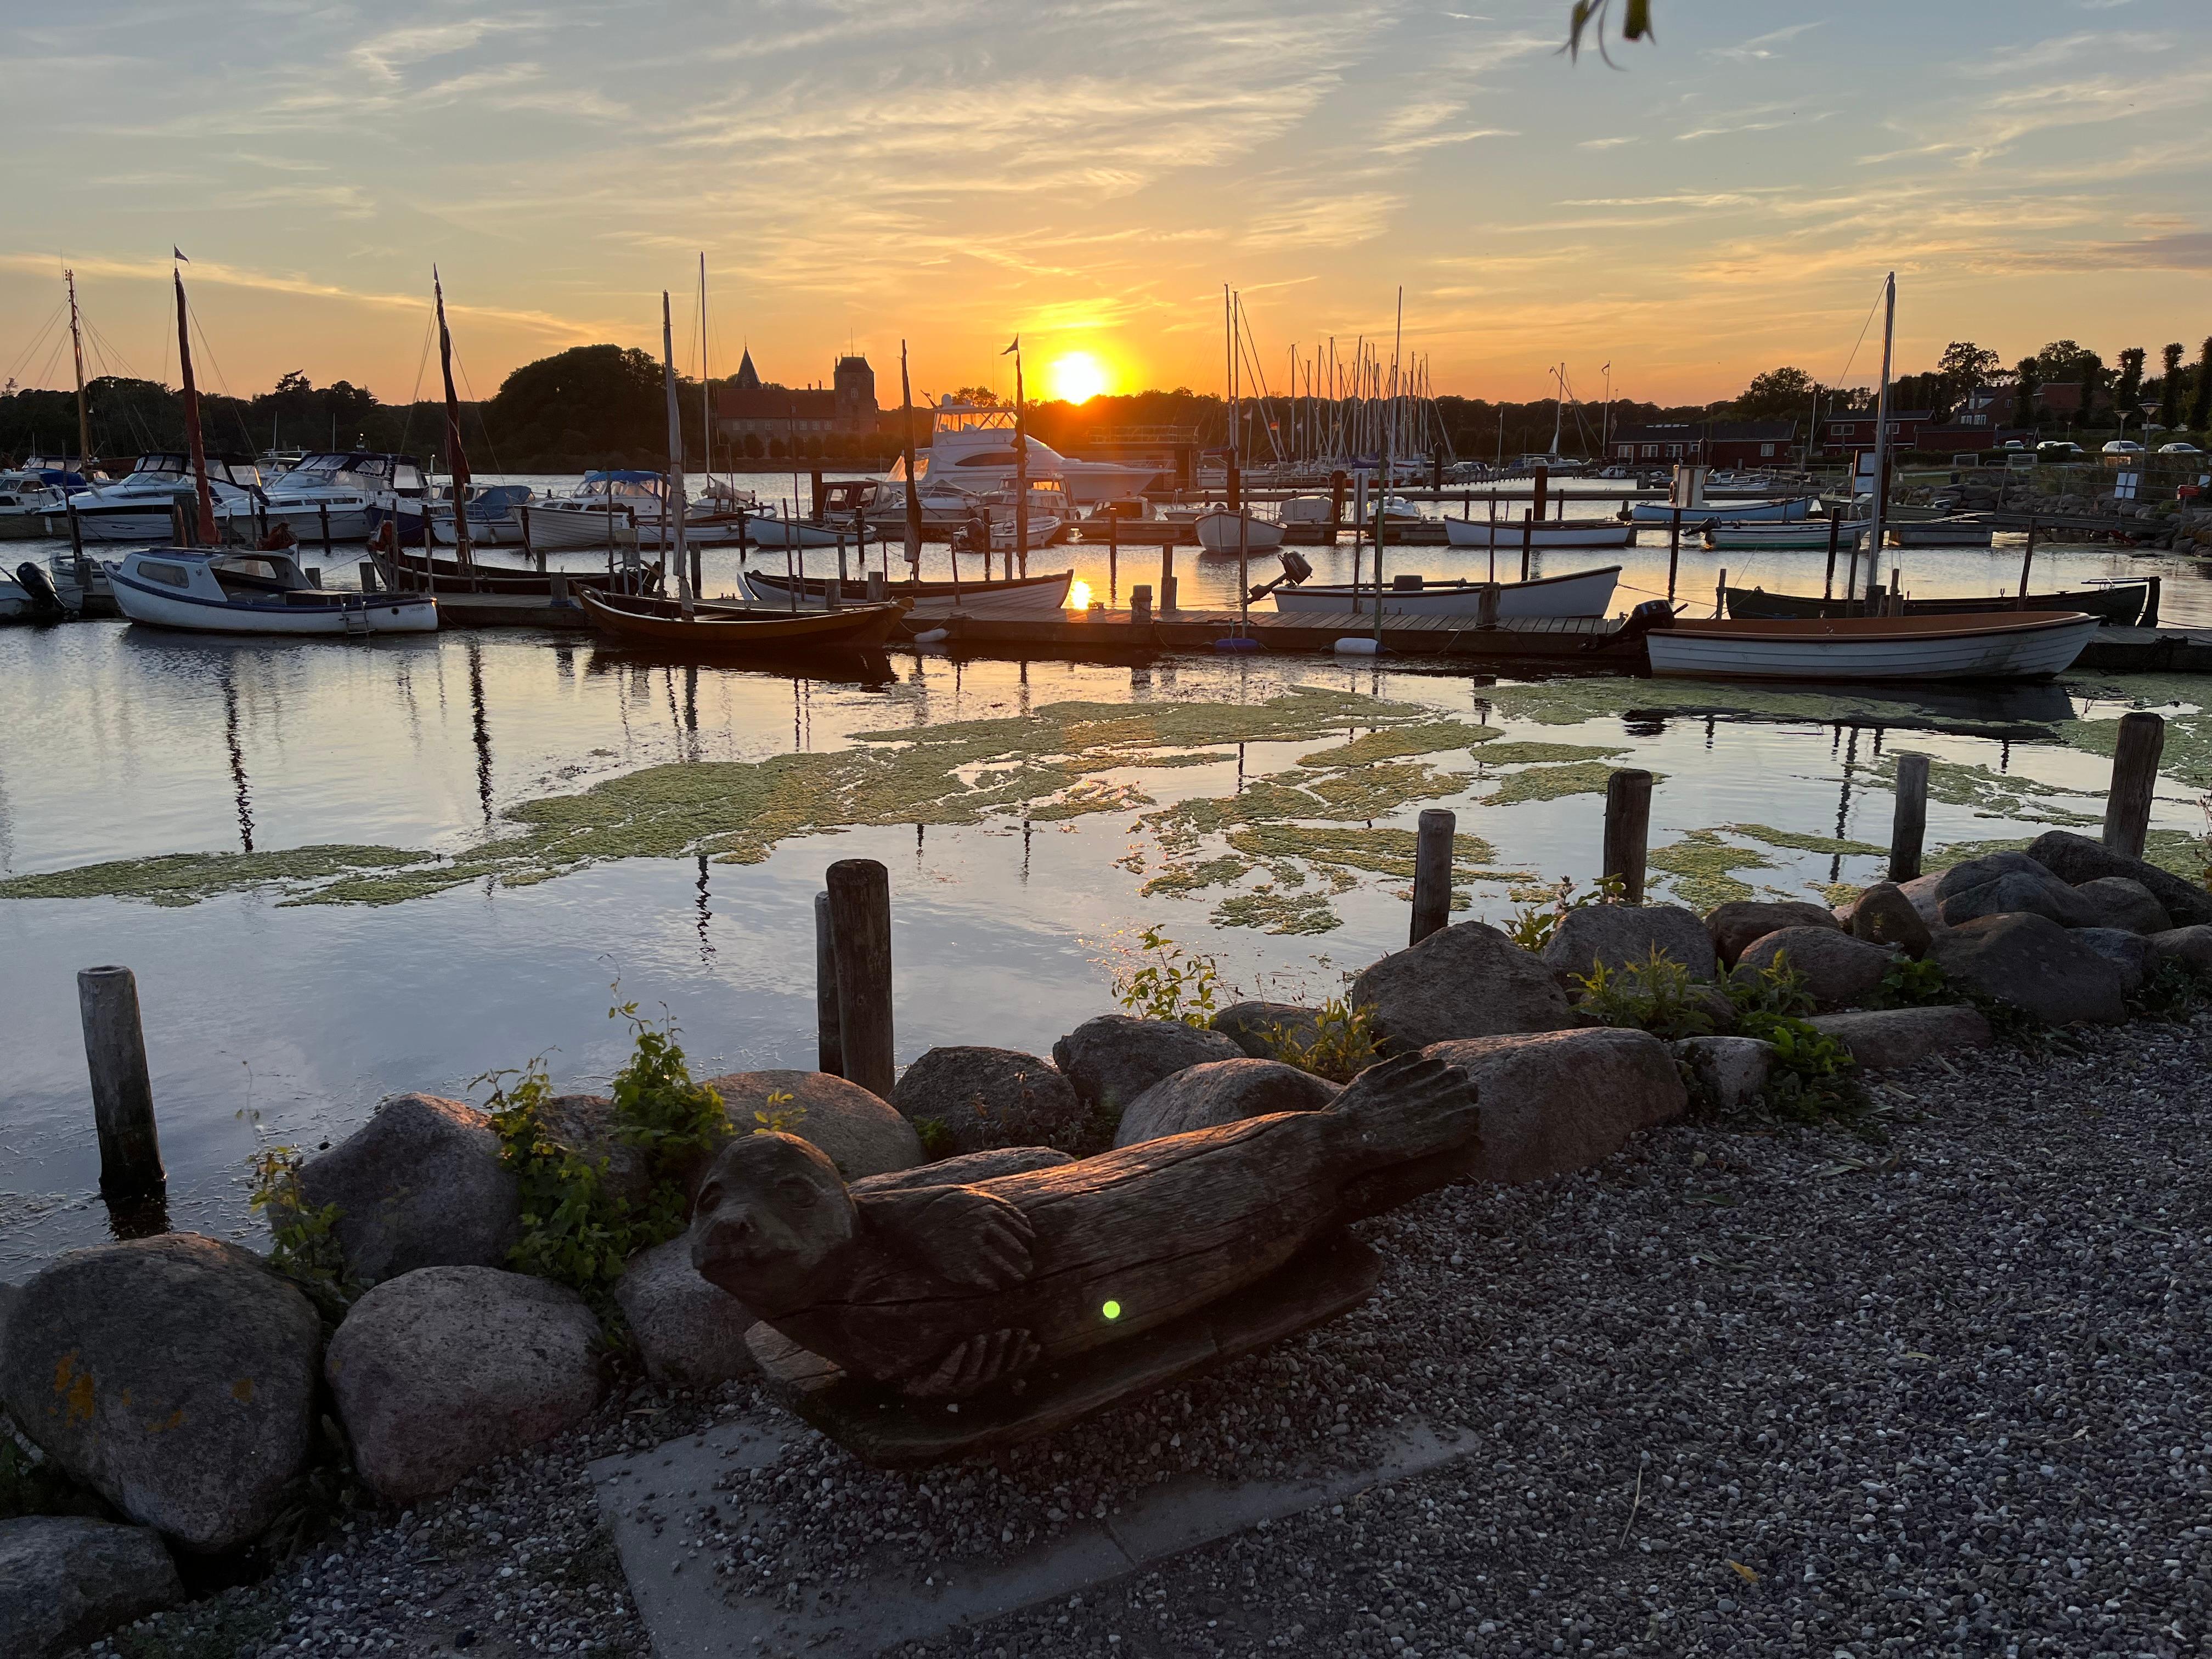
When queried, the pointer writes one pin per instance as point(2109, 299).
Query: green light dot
point(1112, 1310)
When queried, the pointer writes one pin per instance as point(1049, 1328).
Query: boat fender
point(1236, 645)
point(933, 637)
point(1357, 646)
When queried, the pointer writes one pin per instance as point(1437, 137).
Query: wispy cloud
point(1760, 47)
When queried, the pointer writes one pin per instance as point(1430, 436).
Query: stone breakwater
point(197, 1438)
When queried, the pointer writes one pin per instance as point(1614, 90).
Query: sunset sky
point(1088, 175)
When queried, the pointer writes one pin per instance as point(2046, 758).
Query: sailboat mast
point(192, 437)
point(912, 496)
point(705, 384)
point(672, 496)
point(1021, 465)
point(1881, 421)
point(77, 345)
point(457, 460)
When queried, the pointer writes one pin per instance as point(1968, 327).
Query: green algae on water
point(1700, 868)
point(179, 878)
point(1803, 843)
point(1276, 912)
point(1399, 742)
point(1552, 783)
point(1540, 754)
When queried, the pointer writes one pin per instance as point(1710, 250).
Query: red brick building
point(1707, 443)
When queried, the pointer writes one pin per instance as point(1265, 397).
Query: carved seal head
point(772, 1223)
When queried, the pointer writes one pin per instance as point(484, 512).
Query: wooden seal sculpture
point(945, 1290)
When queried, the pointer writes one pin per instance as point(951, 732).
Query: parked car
point(2123, 446)
point(2058, 452)
point(2179, 449)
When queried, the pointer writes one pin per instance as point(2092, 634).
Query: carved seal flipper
point(944, 1289)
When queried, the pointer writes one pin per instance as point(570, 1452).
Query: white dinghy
point(230, 592)
point(1577, 594)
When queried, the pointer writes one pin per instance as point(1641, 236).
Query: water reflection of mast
point(1843, 804)
point(706, 949)
point(237, 759)
point(483, 729)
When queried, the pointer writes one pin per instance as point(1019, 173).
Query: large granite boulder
point(1254, 1025)
point(444, 1368)
point(862, 1134)
point(66, 1581)
point(1973, 873)
point(2018, 892)
point(174, 1376)
point(2033, 964)
point(691, 1334)
point(1920, 894)
point(1557, 1100)
point(1465, 981)
point(987, 1098)
point(419, 1185)
point(2123, 902)
point(2133, 954)
point(2077, 859)
point(1737, 923)
point(1220, 1091)
point(2191, 946)
point(1731, 1073)
point(1113, 1059)
point(1838, 970)
point(1883, 915)
point(1623, 935)
point(1883, 1039)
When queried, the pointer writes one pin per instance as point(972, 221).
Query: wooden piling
point(1527, 537)
point(1432, 872)
point(323, 511)
point(1828, 581)
point(122, 1092)
point(1167, 578)
point(1113, 556)
point(2135, 775)
point(830, 1049)
point(861, 927)
point(1720, 595)
point(2026, 563)
point(1627, 830)
point(1909, 829)
point(1674, 550)
point(1140, 604)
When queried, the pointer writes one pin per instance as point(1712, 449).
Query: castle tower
point(855, 390)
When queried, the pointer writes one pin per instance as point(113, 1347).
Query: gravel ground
point(1735, 1392)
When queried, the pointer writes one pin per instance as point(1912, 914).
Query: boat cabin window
point(406, 477)
point(163, 463)
point(988, 458)
point(172, 575)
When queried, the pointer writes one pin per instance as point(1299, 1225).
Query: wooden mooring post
point(2135, 775)
point(860, 935)
point(1432, 872)
point(1909, 829)
point(828, 1044)
point(122, 1093)
point(1627, 830)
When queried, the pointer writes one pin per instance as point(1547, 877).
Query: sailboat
point(208, 589)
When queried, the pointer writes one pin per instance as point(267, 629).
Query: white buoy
point(933, 637)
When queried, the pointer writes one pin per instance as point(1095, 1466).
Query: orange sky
point(956, 171)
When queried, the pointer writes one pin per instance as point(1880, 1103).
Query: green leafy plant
point(1655, 995)
point(1911, 983)
point(773, 1120)
point(1338, 1046)
point(2171, 991)
point(1170, 983)
point(936, 1138)
point(1533, 925)
point(576, 1229)
point(1776, 990)
point(304, 1243)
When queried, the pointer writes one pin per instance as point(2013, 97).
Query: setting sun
point(1078, 377)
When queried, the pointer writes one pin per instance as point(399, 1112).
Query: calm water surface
point(267, 1022)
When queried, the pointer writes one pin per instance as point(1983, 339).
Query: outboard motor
point(1296, 569)
point(1651, 614)
point(46, 603)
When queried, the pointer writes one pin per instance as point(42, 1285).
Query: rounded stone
point(1624, 935)
point(1112, 1059)
point(990, 1097)
point(861, 1132)
point(1838, 970)
point(1465, 981)
point(1220, 1091)
point(419, 1185)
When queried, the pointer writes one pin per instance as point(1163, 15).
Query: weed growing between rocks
point(1655, 995)
point(2172, 993)
point(576, 1229)
point(1912, 983)
point(1341, 1044)
point(1543, 909)
point(1169, 983)
point(303, 1238)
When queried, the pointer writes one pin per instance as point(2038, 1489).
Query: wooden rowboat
point(404, 569)
point(1015, 596)
point(727, 627)
point(2034, 646)
point(1575, 594)
point(2120, 605)
point(1548, 533)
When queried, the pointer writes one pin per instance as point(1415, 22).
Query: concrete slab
point(653, 1500)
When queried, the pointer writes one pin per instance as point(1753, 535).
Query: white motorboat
point(345, 484)
point(495, 516)
point(216, 591)
point(2024, 645)
point(1226, 535)
point(28, 504)
point(141, 507)
point(15, 600)
point(1541, 533)
point(971, 447)
point(1799, 535)
point(1754, 512)
point(590, 514)
point(1577, 594)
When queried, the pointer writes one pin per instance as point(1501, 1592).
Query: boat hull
point(1889, 649)
point(406, 570)
point(1219, 533)
point(1805, 536)
point(342, 615)
point(1022, 596)
point(1577, 593)
point(2120, 605)
point(1480, 533)
point(1723, 511)
point(556, 529)
point(729, 630)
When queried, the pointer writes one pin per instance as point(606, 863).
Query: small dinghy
point(728, 630)
point(2120, 605)
point(257, 593)
point(1794, 507)
point(1017, 596)
point(1226, 535)
point(1549, 533)
point(2033, 645)
point(1803, 536)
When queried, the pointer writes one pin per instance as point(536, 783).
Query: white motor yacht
point(347, 484)
point(141, 507)
point(27, 504)
point(971, 446)
point(590, 514)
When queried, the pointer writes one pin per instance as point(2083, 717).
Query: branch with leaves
point(1591, 16)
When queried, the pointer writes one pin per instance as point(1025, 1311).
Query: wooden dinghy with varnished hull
point(728, 628)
